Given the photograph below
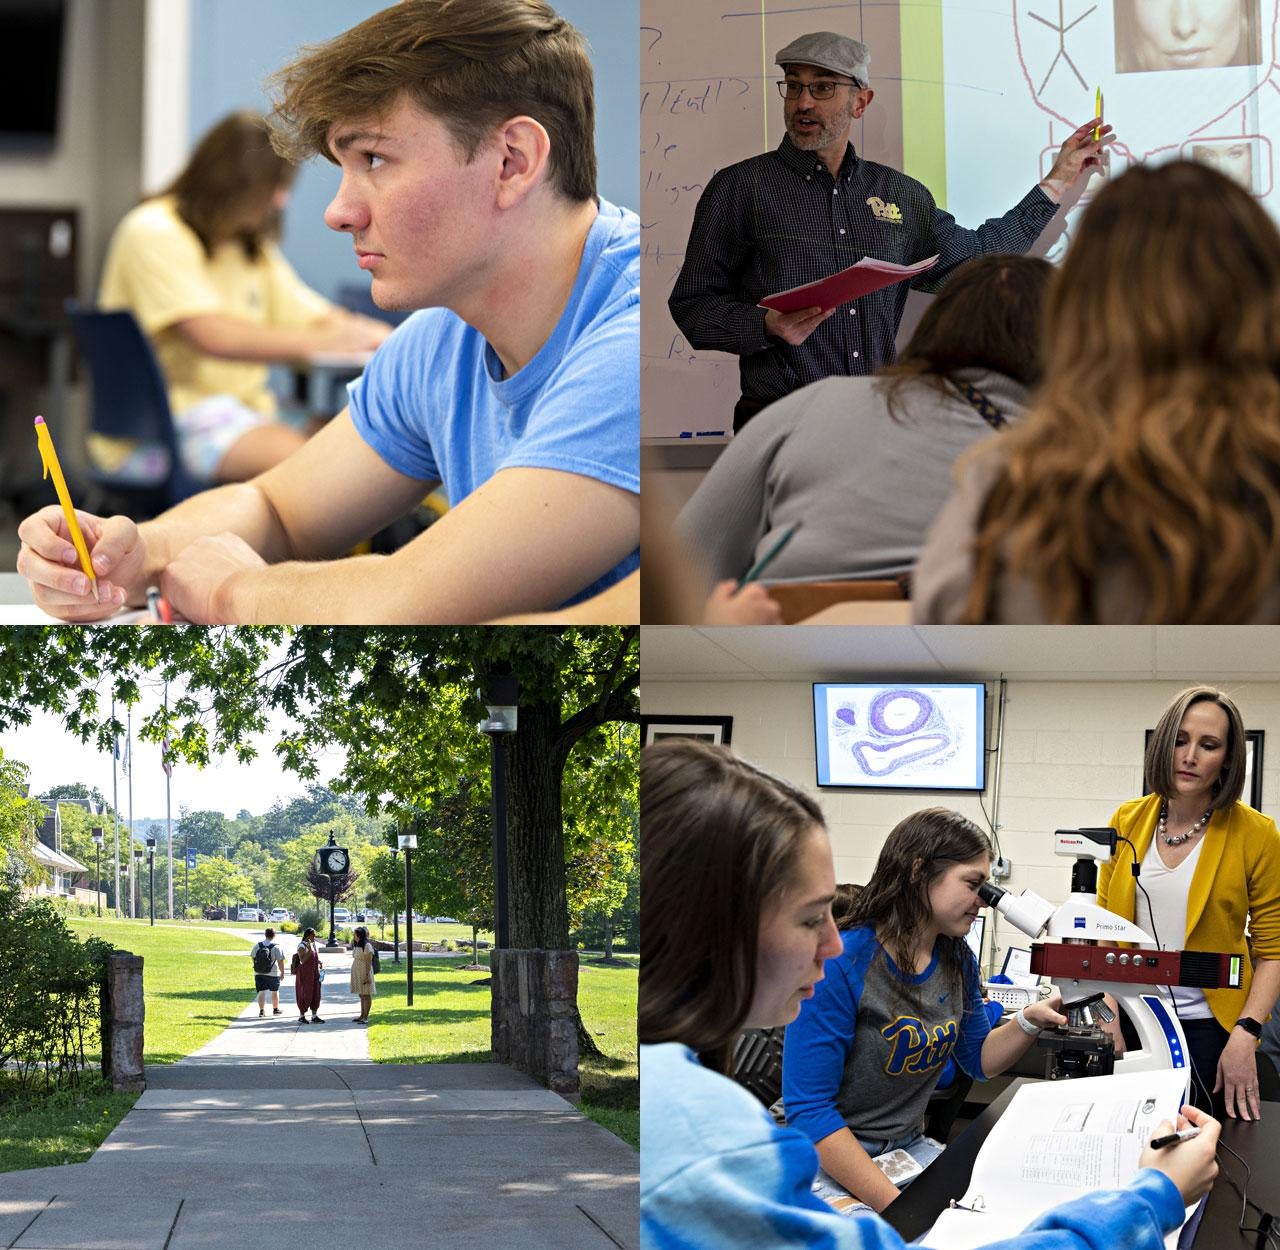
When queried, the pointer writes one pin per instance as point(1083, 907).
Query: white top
point(1168, 888)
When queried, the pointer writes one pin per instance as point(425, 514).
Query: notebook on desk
point(1059, 1140)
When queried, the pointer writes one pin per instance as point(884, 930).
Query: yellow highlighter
point(51, 466)
point(1097, 112)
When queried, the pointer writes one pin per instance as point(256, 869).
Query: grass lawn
point(196, 980)
point(39, 1130)
point(192, 994)
point(449, 1023)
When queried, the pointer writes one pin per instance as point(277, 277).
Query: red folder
point(866, 276)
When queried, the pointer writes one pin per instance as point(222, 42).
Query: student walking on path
point(308, 975)
point(268, 969)
point(362, 970)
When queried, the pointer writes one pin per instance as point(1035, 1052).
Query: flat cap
point(827, 50)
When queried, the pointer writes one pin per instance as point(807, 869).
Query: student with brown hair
point(1144, 485)
point(199, 268)
point(464, 133)
point(737, 882)
point(863, 465)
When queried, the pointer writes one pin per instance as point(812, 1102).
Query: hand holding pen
point(1188, 1161)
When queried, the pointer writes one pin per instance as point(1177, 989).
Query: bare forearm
point(240, 509)
point(845, 1161)
point(1264, 991)
point(1003, 1047)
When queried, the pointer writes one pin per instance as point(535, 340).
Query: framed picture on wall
point(1252, 792)
point(714, 729)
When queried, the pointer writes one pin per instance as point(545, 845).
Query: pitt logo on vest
point(917, 1049)
point(883, 211)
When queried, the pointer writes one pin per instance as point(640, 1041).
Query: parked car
point(341, 915)
point(447, 920)
point(279, 914)
point(251, 913)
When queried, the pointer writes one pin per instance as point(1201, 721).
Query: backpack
point(293, 965)
point(262, 960)
point(376, 965)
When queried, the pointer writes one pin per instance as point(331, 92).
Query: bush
point(50, 992)
point(310, 918)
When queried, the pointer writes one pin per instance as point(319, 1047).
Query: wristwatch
point(1249, 1025)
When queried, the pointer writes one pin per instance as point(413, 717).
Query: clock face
point(338, 861)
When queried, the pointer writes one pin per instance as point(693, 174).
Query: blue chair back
point(129, 396)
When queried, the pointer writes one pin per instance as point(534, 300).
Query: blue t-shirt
point(434, 405)
point(868, 1048)
point(716, 1173)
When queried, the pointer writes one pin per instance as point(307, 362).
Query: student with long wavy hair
point(903, 997)
point(1144, 486)
point(737, 881)
point(198, 266)
point(864, 464)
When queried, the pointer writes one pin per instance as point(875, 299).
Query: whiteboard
point(973, 98)
point(707, 100)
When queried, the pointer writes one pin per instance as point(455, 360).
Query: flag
point(164, 758)
point(124, 759)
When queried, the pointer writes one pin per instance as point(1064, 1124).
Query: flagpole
point(168, 817)
point(115, 806)
point(128, 759)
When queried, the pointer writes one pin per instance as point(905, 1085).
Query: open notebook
point(1058, 1140)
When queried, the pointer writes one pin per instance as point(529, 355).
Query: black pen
point(765, 560)
point(1172, 1139)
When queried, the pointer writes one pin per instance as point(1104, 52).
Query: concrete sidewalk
point(286, 1134)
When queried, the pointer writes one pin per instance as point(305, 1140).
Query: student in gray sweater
point(864, 464)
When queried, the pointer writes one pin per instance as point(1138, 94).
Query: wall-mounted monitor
point(900, 735)
point(31, 32)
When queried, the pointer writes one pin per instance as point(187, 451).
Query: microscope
point(1091, 952)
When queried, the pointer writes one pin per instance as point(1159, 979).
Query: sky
point(54, 756)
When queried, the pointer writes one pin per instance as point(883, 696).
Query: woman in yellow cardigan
point(1210, 864)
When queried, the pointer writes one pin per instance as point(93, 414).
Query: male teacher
point(813, 207)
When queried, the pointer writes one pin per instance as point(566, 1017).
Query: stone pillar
point(534, 1022)
point(122, 1016)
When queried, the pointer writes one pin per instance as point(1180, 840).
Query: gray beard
point(823, 137)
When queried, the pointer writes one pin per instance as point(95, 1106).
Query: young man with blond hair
point(463, 133)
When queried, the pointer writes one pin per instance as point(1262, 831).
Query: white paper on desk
point(29, 614)
point(1058, 1140)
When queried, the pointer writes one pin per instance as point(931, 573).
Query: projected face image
point(1184, 34)
point(1233, 159)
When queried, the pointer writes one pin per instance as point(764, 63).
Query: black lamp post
point(500, 703)
point(334, 861)
point(96, 834)
point(151, 877)
point(395, 915)
point(408, 842)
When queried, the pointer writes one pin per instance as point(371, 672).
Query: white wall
point(1072, 754)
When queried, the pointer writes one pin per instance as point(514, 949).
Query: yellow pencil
point(1097, 112)
point(51, 466)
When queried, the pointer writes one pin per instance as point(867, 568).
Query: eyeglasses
point(823, 89)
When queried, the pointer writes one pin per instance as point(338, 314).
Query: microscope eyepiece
point(990, 893)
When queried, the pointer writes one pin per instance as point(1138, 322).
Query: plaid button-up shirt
point(778, 220)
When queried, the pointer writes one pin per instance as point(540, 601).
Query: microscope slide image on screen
point(899, 735)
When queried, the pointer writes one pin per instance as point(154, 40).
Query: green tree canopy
point(402, 703)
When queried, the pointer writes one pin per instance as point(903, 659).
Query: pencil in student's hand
point(765, 560)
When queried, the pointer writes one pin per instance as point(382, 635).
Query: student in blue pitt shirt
point(464, 137)
point(737, 882)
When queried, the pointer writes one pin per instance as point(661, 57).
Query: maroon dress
point(307, 985)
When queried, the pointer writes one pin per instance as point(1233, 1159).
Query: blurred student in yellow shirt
point(199, 268)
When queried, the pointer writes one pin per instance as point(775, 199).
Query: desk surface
point(868, 612)
point(1255, 1142)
